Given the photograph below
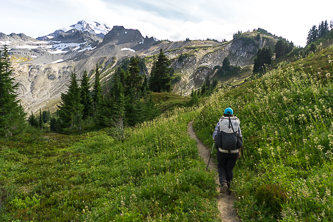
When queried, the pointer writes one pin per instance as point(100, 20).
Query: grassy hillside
point(154, 175)
point(169, 101)
point(286, 118)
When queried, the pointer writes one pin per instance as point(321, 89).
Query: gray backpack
point(228, 137)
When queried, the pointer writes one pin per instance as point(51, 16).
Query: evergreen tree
point(46, 116)
point(119, 106)
point(160, 80)
point(134, 79)
point(280, 48)
point(313, 47)
point(40, 122)
point(226, 64)
point(153, 80)
point(70, 109)
point(85, 96)
point(97, 97)
point(12, 116)
point(264, 57)
point(53, 127)
point(32, 120)
point(312, 35)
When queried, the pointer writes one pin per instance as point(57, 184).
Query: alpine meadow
point(116, 146)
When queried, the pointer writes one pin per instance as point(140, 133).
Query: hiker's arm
point(216, 130)
point(240, 149)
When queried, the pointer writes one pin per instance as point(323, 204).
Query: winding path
point(225, 202)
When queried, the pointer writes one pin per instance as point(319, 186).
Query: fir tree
point(86, 100)
point(312, 34)
point(119, 106)
point(40, 122)
point(134, 79)
point(226, 64)
point(70, 109)
point(12, 116)
point(46, 116)
point(280, 48)
point(97, 97)
point(53, 126)
point(264, 57)
point(32, 120)
point(160, 80)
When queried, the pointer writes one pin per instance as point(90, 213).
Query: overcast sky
point(169, 19)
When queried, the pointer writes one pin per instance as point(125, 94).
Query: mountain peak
point(94, 28)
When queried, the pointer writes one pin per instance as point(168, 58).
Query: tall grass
point(287, 122)
point(154, 175)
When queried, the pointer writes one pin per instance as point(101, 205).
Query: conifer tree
point(279, 48)
point(97, 97)
point(53, 127)
point(70, 109)
point(134, 79)
point(40, 122)
point(312, 34)
point(264, 57)
point(32, 120)
point(85, 96)
point(226, 64)
point(119, 105)
point(12, 116)
point(160, 80)
point(46, 116)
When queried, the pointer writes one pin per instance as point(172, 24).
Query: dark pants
point(226, 163)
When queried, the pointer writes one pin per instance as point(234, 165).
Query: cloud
point(168, 19)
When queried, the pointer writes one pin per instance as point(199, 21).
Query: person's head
point(228, 112)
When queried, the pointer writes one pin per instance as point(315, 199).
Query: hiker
point(228, 141)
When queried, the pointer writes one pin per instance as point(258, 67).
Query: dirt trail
point(225, 202)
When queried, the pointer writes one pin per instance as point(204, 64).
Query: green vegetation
point(169, 101)
point(315, 32)
point(263, 59)
point(160, 77)
point(155, 174)
point(140, 167)
point(11, 113)
point(286, 170)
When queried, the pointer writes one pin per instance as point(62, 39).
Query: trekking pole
point(210, 156)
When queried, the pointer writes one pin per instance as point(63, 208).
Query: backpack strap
point(230, 124)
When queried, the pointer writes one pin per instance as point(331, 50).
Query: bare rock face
point(76, 36)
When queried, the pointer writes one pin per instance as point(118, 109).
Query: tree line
point(317, 32)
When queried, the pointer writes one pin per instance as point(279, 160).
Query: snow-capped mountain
point(94, 28)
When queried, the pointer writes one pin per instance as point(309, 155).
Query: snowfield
point(127, 49)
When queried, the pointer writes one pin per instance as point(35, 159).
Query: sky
point(169, 19)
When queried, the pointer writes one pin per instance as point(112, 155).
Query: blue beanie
point(228, 111)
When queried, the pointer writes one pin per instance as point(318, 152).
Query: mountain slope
point(286, 119)
point(45, 77)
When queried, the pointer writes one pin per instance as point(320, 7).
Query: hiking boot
point(224, 188)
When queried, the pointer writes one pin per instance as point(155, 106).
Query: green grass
point(286, 120)
point(169, 101)
point(154, 175)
